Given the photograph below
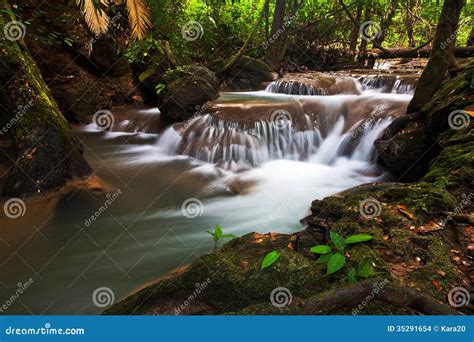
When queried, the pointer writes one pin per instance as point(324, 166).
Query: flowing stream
point(253, 161)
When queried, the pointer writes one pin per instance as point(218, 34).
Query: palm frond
point(138, 17)
point(96, 19)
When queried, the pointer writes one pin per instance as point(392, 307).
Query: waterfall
point(230, 144)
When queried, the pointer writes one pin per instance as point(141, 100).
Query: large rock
point(187, 90)
point(410, 143)
point(247, 74)
point(407, 153)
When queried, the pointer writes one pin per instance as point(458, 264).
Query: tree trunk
point(441, 57)
point(48, 155)
point(276, 48)
point(363, 42)
point(355, 30)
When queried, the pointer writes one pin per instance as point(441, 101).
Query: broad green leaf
point(321, 249)
point(364, 269)
point(358, 238)
point(337, 240)
point(270, 259)
point(336, 262)
point(352, 276)
point(218, 231)
point(324, 258)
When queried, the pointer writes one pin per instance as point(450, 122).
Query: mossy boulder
point(186, 90)
point(408, 248)
point(453, 168)
point(410, 143)
point(246, 74)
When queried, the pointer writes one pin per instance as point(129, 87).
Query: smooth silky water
point(258, 176)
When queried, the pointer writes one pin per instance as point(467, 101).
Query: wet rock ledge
point(422, 244)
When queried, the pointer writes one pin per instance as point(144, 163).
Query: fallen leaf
point(441, 273)
point(436, 284)
point(402, 209)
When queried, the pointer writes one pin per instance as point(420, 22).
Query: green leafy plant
point(159, 88)
point(217, 235)
point(333, 254)
point(270, 259)
point(363, 270)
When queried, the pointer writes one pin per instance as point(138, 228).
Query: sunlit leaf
point(321, 249)
point(358, 238)
point(270, 259)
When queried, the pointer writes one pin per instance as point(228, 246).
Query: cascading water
point(255, 162)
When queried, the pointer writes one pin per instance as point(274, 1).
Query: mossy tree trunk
point(48, 155)
point(442, 55)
